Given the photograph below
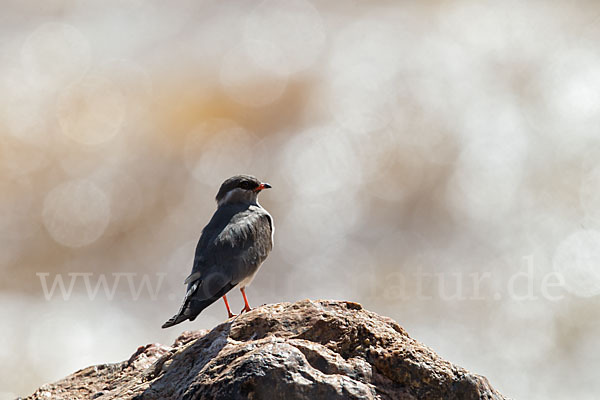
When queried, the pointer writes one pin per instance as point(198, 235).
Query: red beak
point(262, 186)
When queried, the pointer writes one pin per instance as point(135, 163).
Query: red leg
point(246, 305)
point(227, 305)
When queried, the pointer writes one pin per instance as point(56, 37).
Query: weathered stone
point(305, 350)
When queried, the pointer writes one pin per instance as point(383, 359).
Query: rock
point(304, 350)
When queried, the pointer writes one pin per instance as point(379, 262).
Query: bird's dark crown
point(245, 182)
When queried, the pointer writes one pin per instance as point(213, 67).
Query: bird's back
point(232, 247)
point(235, 239)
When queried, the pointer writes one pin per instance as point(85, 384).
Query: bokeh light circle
point(55, 54)
point(572, 88)
point(91, 111)
point(76, 213)
point(24, 108)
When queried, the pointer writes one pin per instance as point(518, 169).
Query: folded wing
point(232, 247)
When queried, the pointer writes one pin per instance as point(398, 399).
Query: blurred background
point(435, 161)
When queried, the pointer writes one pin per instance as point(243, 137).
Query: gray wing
point(231, 248)
point(241, 247)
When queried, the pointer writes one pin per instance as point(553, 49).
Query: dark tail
point(192, 307)
point(184, 311)
point(175, 319)
point(181, 315)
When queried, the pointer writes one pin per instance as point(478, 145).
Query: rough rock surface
point(305, 350)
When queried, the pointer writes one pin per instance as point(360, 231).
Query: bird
point(232, 247)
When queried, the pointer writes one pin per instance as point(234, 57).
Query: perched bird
point(231, 249)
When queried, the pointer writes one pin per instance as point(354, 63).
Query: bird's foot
point(246, 309)
point(231, 315)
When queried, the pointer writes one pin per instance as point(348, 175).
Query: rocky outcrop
point(304, 350)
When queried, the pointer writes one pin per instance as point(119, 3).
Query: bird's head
point(240, 189)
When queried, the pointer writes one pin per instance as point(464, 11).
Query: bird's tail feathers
point(191, 307)
point(183, 313)
point(175, 319)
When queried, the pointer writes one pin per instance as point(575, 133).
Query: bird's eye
point(245, 185)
